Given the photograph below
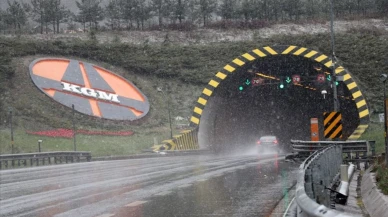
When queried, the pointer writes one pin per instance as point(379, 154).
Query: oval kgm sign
point(91, 89)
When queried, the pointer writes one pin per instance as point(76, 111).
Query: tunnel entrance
point(255, 96)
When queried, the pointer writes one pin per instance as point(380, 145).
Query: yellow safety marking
point(191, 143)
point(339, 69)
point(213, 83)
point(221, 75)
point(289, 49)
point(320, 58)
point(334, 135)
point(332, 125)
point(207, 92)
point(310, 54)
point(248, 56)
point(259, 52)
point(270, 50)
point(331, 115)
point(136, 203)
point(198, 110)
point(301, 50)
point(173, 145)
point(194, 120)
point(186, 144)
point(352, 85)
point(364, 113)
point(354, 136)
point(238, 62)
point(363, 126)
point(361, 103)
point(356, 94)
point(347, 77)
point(202, 101)
point(229, 68)
point(328, 64)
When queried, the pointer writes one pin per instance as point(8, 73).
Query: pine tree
point(90, 12)
point(206, 10)
point(161, 9)
point(15, 15)
point(114, 14)
point(227, 9)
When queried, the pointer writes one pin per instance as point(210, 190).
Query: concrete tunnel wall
point(230, 119)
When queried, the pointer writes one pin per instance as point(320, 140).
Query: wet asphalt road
point(167, 186)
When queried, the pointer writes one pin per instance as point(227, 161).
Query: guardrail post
point(358, 162)
point(344, 173)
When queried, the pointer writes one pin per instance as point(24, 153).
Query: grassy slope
point(183, 69)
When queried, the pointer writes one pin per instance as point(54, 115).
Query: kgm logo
point(91, 89)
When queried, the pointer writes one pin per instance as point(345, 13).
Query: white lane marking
point(288, 207)
point(201, 180)
point(184, 185)
point(163, 193)
point(136, 203)
point(106, 215)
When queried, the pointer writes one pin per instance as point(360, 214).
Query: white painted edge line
point(201, 180)
point(163, 193)
point(185, 185)
point(288, 207)
point(136, 203)
point(106, 215)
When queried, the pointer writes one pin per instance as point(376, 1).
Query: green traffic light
point(336, 83)
point(288, 80)
point(241, 88)
point(281, 86)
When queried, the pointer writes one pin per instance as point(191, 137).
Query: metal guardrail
point(308, 147)
point(360, 148)
point(42, 158)
point(316, 176)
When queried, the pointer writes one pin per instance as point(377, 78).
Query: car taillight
point(276, 142)
point(258, 142)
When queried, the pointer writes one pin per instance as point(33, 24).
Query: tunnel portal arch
point(260, 54)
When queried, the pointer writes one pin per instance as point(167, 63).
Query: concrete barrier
point(376, 203)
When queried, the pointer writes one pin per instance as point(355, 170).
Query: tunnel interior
point(251, 103)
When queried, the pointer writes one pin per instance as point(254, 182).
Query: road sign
point(381, 117)
point(332, 125)
point(288, 80)
point(247, 82)
point(314, 129)
point(92, 90)
point(321, 78)
point(257, 81)
point(296, 79)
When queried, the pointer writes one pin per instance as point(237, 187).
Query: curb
point(152, 155)
point(376, 203)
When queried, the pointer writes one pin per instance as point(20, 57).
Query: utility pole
point(334, 77)
point(10, 122)
point(74, 132)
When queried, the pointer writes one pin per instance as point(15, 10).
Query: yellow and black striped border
point(187, 140)
point(332, 123)
point(284, 50)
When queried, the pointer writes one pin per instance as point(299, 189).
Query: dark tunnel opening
point(239, 112)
